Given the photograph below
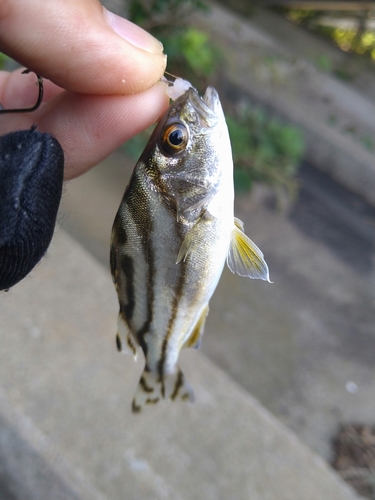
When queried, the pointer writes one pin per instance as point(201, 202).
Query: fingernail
point(133, 33)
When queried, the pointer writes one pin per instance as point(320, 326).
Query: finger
point(19, 90)
point(100, 124)
point(80, 46)
point(89, 128)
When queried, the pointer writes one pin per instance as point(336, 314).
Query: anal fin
point(195, 338)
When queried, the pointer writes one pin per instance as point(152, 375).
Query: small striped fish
point(172, 234)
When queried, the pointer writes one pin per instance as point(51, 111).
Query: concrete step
point(66, 429)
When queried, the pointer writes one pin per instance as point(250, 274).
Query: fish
point(173, 232)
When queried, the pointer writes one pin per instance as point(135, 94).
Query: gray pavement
point(66, 428)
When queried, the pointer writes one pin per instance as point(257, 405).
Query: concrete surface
point(66, 427)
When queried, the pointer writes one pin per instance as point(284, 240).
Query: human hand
point(100, 71)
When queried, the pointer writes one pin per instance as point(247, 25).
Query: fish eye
point(174, 139)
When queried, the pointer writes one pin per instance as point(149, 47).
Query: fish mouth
point(211, 99)
point(207, 107)
point(212, 103)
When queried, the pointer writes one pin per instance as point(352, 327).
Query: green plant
point(190, 52)
point(134, 146)
point(265, 150)
point(324, 63)
point(3, 59)
point(160, 14)
point(359, 38)
point(191, 49)
point(368, 143)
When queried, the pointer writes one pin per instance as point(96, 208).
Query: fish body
point(172, 234)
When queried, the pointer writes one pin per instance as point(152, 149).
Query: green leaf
point(3, 59)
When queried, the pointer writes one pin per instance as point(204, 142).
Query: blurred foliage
point(265, 150)
point(134, 146)
point(368, 143)
point(191, 54)
point(3, 59)
point(160, 14)
point(358, 39)
point(351, 40)
point(324, 63)
point(190, 51)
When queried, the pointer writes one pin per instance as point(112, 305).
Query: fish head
point(189, 154)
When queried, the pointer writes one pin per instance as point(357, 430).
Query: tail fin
point(152, 387)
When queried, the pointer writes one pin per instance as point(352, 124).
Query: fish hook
point(168, 81)
point(36, 105)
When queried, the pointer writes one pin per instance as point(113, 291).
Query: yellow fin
point(244, 257)
point(194, 339)
point(238, 223)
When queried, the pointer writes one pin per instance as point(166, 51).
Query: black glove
point(31, 178)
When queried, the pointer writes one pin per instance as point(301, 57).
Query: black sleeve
point(31, 178)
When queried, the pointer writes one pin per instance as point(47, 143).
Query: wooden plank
point(322, 5)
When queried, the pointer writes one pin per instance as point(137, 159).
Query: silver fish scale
point(160, 299)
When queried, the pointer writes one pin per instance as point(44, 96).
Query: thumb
point(80, 46)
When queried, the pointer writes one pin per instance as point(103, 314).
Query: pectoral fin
point(188, 245)
point(193, 237)
point(244, 257)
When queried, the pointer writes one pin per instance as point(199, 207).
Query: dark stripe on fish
point(127, 267)
point(135, 407)
point(121, 236)
point(131, 345)
point(152, 401)
point(187, 397)
point(113, 262)
point(118, 343)
point(178, 385)
point(177, 297)
point(144, 385)
point(139, 212)
point(119, 239)
point(150, 259)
